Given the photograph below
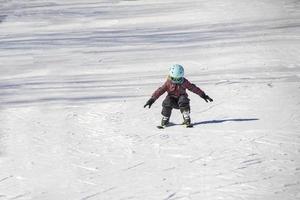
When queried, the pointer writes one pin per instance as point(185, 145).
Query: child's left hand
point(207, 98)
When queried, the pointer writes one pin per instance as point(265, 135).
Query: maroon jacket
point(176, 90)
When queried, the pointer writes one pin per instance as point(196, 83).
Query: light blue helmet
point(176, 73)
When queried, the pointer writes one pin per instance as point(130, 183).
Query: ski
point(187, 126)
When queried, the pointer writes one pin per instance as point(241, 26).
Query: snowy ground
point(74, 76)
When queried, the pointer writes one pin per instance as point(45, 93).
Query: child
point(177, 97)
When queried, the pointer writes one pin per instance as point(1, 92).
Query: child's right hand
point(149, 102)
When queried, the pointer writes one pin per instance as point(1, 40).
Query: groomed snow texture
point(75, 74)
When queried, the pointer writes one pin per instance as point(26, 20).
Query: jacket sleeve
point(193, 88)
point(160, 91)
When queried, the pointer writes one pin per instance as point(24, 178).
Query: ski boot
point(164, 122)
point(187, 119)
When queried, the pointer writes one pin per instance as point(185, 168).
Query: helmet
point(176, 73)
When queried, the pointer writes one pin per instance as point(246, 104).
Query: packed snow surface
point(74, 76)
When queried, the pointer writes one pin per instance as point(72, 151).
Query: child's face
point(176, 80)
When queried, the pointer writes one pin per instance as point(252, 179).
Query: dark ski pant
point(182, 103)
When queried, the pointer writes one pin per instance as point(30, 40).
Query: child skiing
point(177, 97)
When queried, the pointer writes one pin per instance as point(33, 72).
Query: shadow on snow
point(225, 120)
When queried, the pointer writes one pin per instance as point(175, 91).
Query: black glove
point(207, 98)
point(149, 103)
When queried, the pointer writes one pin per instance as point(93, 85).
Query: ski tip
point(160, 127)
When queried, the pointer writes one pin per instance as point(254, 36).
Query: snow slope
point(74, 76)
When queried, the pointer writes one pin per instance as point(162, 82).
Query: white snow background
point(74, 76)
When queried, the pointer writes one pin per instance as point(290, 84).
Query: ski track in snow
point(75, 75)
